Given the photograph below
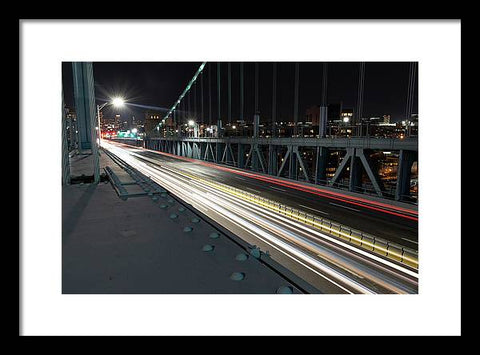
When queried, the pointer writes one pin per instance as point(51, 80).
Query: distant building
point(117, 121)
point(106, 123)
point(381, 127)
point(346, 115)
point(152, 119)
point(384, 120)
point(153, 115)
point(312, 114)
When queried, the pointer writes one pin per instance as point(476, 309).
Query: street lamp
point(117, 102)
point(194, 125)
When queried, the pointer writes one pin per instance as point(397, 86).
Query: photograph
point(240, 177)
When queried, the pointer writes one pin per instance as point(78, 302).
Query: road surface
point(330, 265)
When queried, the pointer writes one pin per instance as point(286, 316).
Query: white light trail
point(269, 227)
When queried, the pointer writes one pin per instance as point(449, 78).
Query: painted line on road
point(276, 188)
point(248, 188)
point(313, 209)
point(348, 208)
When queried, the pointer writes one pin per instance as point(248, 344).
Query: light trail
point(358, 201)
point(349, 269)
point(279, 217)
point(303, 234)
point(194, 197)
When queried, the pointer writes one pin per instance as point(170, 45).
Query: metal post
point(189, 106)
point(65, 150)
point(229, 93)
point(219, 117)
point(256, 122)
point(201, 91)
point(355, 171)
point(274, 100)
point(241, 156)
point(81, 92)
point(405, 162)
point(357, 117)
point(209, 94)
point(292, 167)
point(99, 129)
point(411, 90)
point(84, 92)
point(295, 104)
point(272, 159)
point(322, 128)
point(256, 87)
point(321, 164)
point(195, 100)
point(184, 115)
point(241, 92)
point(174, 122)
point(254, 158)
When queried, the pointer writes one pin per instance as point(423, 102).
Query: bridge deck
point(133, 246)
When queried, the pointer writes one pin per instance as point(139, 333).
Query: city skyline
point(157, 85)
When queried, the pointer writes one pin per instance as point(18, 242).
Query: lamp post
point(117, 102)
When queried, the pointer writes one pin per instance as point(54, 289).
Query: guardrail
point(365, 241)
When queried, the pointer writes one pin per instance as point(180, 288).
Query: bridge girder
point(219, 150)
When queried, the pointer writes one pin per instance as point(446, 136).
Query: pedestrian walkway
point(150, 243)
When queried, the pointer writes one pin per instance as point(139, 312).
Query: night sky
point(159, 84)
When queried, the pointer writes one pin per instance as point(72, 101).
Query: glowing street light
point(191, 123)
point(116, 102)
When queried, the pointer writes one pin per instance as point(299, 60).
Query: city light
point(191, 123)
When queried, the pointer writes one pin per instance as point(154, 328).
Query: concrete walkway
point(149, 244)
